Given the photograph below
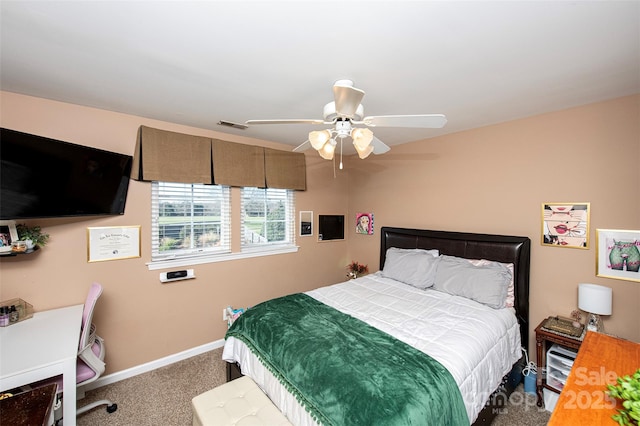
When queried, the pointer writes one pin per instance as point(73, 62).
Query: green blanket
point(345, 372)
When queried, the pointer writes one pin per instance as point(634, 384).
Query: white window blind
point(267, 218)
point(189, 220)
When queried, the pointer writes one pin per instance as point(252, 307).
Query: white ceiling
point(196, 63)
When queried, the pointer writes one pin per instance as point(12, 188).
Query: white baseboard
point(152, 365)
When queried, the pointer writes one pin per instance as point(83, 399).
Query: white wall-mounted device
point(183, 274)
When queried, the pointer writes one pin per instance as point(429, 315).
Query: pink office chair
point(91, 352)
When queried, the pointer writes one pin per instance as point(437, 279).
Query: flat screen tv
point(42, 177)
point(330, 227)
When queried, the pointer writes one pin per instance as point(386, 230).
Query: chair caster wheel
point(112, 408)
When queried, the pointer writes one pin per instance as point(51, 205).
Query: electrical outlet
point(224, 314)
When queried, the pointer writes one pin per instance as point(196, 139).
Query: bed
point(476, 346)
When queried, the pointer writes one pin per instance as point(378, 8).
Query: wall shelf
point(16, 253)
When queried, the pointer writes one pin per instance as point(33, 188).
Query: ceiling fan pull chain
point(334, 167)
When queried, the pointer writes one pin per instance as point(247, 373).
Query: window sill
point(199, 260)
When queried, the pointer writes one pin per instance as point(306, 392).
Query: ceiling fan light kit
point(361, 138)
point(318, 138)
point(328, 149)
point(346, 111)
point(364, 153)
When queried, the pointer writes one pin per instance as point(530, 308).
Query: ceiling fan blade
point(347, 98)
point(379, 147)
point(286, 121)
point(430, 121)
point(303, 146)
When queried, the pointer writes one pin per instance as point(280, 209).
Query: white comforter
point(477, 344)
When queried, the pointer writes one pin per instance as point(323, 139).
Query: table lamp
point(595, 300)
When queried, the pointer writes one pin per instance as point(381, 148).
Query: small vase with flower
point(356, 270)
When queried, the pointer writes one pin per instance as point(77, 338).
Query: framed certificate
point(113, 243)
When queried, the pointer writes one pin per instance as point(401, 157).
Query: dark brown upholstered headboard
point(499, 248)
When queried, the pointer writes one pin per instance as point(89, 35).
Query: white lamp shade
point(328, 149)
point(319, 138)
point(595, 299)
point(363, 153)
point(361, 138)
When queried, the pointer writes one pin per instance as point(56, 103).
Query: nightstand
point(544, 335)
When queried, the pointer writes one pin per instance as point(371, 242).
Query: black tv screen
point(331, 227)
point(42, 177)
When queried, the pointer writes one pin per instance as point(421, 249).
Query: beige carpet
point(163, 397)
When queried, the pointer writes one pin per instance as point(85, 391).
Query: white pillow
point(411, 266)
point(484, 283)
point(510, 300)
point(432, 252)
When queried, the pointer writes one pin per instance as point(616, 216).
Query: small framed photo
point(618, 254)
point(565, 225)
point(8, 234)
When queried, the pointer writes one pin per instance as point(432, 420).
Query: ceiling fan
point(344, 114)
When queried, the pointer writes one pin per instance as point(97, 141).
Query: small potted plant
point(32, 235)
point(355, 270)
point(627, 390)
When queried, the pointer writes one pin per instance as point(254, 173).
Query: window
point(267, 218)
point(189, 220)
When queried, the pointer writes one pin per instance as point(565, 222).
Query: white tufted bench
point(238, 402)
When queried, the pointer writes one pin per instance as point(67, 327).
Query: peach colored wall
point(141, 319)
point(494, 180)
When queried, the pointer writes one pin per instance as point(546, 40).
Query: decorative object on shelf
point(618, 254)
point(19, 246)
point(627, 390)
point(565, 225)
point(32, 236)
point(576, 314)
point(595, 300)
point(8, 234)
point(364, 223)
point(355, 270)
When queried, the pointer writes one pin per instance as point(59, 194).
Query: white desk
point(42, 347)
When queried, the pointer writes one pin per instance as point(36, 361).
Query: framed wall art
point(565, 225)
point(364, 223)
point(8, 234)
point(306, 223)
point(618, 254)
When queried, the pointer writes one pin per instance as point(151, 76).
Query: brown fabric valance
point(236, 164)
point(171, 157)
point(175, 157)
point(286, 170)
